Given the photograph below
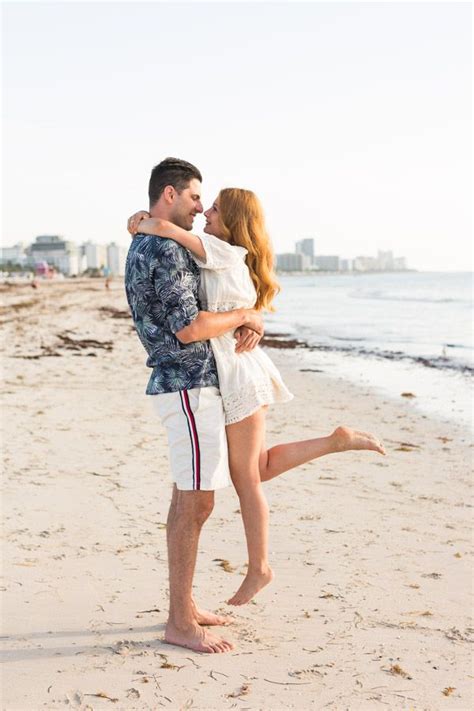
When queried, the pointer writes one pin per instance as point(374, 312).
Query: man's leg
point(283, 457)
point(188, 512)
point(202, 617)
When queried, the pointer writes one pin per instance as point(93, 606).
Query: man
point(162, 282)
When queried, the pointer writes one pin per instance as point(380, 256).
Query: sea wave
point(382, 296)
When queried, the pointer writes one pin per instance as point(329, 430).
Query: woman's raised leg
point(283, 457)
point(245, 440)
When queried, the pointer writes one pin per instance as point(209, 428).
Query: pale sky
point(351, 121)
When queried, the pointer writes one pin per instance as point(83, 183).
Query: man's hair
point(171, 171)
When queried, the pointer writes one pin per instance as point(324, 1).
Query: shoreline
point(287, 340)
point(442, 394)
point(372, 555)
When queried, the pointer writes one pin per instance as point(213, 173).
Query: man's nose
point(199, 207)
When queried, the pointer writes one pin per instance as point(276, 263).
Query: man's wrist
point(244, 317)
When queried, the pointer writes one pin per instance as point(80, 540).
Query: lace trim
point(218, 306)
point(239, 405)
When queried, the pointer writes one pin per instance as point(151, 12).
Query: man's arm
point(173, 282)
point(210, 325)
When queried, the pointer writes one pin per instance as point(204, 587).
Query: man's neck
point(161, 211)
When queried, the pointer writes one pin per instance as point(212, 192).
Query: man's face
point(186, 205)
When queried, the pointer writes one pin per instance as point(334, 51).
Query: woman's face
point(213, 224)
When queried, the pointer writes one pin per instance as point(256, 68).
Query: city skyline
point(72, 259)
point(305, 258)
point(338, 132)
point(55, 253)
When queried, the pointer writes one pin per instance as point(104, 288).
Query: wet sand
point(370, 606)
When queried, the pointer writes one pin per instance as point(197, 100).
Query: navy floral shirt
point(162, 282)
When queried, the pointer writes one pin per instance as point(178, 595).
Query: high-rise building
point(95, 255)
point(116, 257)
point(385, 260)
point(14, 255)
point(57, 252)
point(306, 247)
point(365, 264)
point(345, 265)
point(327, 262)
point(400, 264)
point(290, 262)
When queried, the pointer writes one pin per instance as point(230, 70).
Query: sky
point(350, 120)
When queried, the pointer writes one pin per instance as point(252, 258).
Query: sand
point(370, 606)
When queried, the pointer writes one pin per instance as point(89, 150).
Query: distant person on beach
point(165, 291)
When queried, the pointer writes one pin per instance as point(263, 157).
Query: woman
point(236, 263)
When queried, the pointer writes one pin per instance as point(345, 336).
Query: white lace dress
point(246, 380)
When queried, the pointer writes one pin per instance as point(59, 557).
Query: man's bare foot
point(251, 585)
point(204, 617)
point(344, 439)
point(196, 638)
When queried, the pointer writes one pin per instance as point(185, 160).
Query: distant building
point(308, 262)
point(14, 255)
point(327, 262)
point(385, 260)
point(365, 264)
point(116, 257)
point(306, 247)
point(290, 262)
point(95, 255)
point(346, 265)
point(57, 252)
point(400, 264)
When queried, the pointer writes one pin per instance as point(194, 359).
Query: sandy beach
point(370, 606)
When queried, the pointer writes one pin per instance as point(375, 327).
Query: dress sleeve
point(173, 282)
point(219, 254)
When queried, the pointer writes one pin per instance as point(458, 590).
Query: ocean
point(401, 331)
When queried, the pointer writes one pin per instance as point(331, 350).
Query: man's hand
point(247, 339)
point(254, 321)
point(134, 221)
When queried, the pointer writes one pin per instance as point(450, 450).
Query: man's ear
point(169, 194)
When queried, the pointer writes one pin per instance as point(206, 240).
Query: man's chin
point(185, 224)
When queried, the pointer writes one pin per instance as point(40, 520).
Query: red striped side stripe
point(193, 434)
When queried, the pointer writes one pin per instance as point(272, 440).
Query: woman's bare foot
point(344, 439)
point(253, 583)
point(196, 638)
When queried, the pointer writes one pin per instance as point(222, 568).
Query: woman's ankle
point(259, 569)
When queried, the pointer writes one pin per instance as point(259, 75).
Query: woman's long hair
point(243, 224)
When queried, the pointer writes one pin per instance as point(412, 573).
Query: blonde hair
point(243, 224)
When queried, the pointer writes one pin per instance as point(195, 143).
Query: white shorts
point(195, 423)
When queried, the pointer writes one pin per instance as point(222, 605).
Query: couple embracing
point(197, 304)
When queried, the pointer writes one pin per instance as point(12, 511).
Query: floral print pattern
point(162, 284)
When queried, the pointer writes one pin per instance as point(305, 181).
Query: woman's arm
point(163, 228)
